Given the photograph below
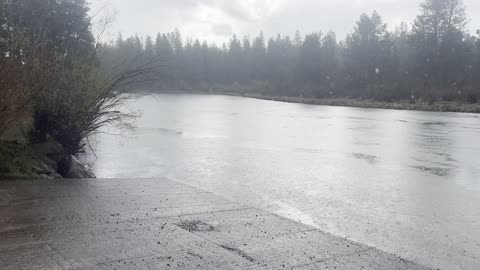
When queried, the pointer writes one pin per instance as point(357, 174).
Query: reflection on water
point(404, 181)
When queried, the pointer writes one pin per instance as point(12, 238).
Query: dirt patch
point(433, 170)
point(196, 226)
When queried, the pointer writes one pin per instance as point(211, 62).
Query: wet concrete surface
point(160, 224)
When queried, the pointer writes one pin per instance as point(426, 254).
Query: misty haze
point(212, 134)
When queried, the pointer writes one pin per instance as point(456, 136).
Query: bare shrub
point(81, 100)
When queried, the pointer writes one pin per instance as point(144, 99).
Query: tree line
point(434, 58)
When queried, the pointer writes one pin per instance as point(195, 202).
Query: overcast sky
point(217, 20)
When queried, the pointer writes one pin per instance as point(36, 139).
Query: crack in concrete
point(238, 252)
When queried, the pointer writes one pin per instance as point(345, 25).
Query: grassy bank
point(20, 161)
point(46, 160)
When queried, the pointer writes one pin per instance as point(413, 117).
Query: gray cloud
point(214, 20)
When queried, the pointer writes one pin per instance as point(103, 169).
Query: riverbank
point(161, 224)
point(397, 105)
point(419, 105)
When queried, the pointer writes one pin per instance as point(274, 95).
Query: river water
point(407, 182)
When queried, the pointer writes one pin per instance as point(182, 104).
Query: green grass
point(16, 161)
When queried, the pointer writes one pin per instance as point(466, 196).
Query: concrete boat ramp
point(160, 224)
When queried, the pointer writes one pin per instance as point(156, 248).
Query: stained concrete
point(160, 224)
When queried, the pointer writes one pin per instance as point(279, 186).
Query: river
point(407, 182)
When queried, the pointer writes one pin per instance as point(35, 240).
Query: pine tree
point(437, 36)
point(366, 51)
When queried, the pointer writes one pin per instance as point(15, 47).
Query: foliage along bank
point(53, 93)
